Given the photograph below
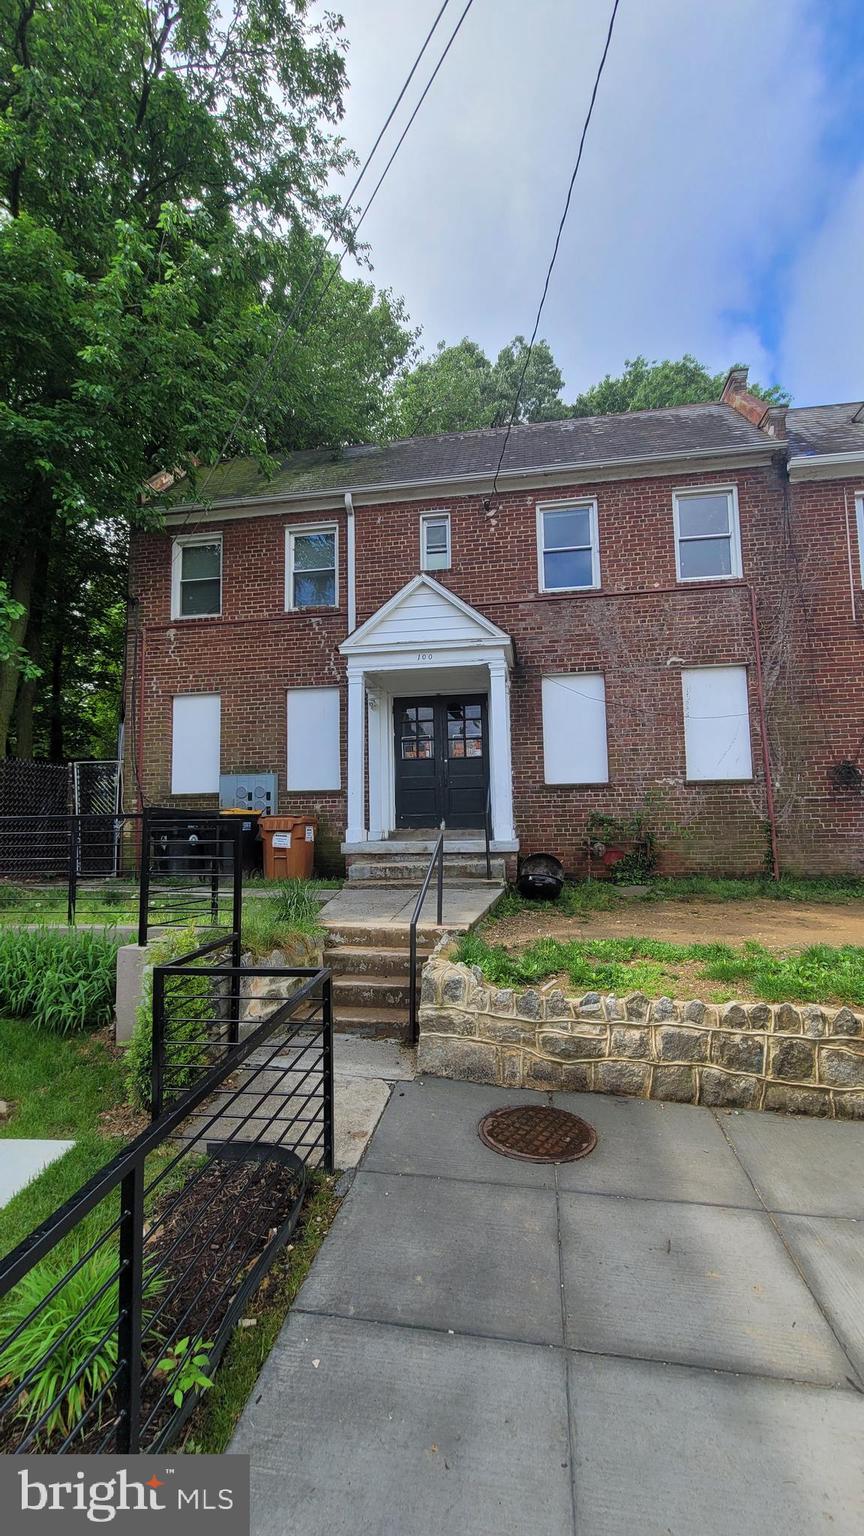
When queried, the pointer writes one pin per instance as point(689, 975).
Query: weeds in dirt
point(602, 896)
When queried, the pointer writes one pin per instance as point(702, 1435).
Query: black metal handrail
point(436, 859)
point(134, 1413)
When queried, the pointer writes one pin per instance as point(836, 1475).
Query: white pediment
point(423, 614)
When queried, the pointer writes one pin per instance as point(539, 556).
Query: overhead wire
point(561, 223)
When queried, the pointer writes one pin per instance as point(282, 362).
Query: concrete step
point(373, 1023)
point(379, 936)
point(358, 991)
point(345, 958)
point(386, 870)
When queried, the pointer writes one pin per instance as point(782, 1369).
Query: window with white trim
point(196, 577)
point(717, 723)
point(859, 517)
point(574, 729)
point(196, 729)
point(310, 566)
point(435, 541)
point(707, 538)
point(567, 546)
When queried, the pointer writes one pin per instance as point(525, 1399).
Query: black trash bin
point(541, 877)
point(251, 848)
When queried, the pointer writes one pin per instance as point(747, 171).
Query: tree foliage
point(164, 172)
point(458, 388)
point(645, 386)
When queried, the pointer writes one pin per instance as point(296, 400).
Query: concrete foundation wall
point(800, 1058)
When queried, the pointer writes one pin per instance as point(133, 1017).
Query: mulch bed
point(212, 1234)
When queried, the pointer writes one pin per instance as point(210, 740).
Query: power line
point(319, 265)
point(562, 222)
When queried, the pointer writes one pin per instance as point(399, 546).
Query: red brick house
point(658, 614)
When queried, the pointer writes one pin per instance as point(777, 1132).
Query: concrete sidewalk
point(665, 1338)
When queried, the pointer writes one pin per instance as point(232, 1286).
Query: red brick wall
point(633, 630)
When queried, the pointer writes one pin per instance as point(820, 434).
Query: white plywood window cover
point(717, 723)
point(195, 743)
point(313, 739)
point(574, 729)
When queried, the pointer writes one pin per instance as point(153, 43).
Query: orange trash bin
point(289, 846)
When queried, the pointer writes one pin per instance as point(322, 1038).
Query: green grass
point(58, 1087)
point(270, 921)
point(820, 973)
point(215, 1420)
point(587, 896)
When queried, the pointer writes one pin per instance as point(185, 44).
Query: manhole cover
point(538, 1134)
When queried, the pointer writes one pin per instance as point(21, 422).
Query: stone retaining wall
point(799, 1058)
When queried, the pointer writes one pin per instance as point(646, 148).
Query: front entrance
point(442, 761)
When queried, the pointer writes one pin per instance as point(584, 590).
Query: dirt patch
point(777, 925)
point(122, 1122)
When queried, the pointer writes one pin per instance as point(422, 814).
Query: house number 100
point(424, 655)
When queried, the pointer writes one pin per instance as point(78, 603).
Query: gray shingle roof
point(635, 435)
point(816, 429)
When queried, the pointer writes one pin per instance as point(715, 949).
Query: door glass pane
point(706, 557)
point(200, 560)
point(199, 597)
point(699, 516)
point(571, 568)
point(569, 527)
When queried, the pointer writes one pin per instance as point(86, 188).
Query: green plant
point(189, 1007)
point(73, 1328)
point(63, 981)
point(639, 861)
point(269, 922)
point(186, 1363)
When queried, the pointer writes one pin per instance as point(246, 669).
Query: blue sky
point(720, 207)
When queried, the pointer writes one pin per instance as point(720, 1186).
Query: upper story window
point(196, 577)
point(310, 566)
point(859, 515)
point(707, 539)
point(435, 541)
point(567, 546)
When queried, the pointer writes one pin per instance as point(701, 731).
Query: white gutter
point(351, 563)
point(803, 466)
point(581, 469)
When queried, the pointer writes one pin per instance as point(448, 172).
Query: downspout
point(349, 558)
point(763, 732)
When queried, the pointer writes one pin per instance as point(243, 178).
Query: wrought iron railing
point(150, 1264)
point(436, 862)
point(191, 872)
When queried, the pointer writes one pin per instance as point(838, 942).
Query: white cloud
point(822, 352)
point(704, 166)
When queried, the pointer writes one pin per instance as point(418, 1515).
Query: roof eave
point(414, 489)
point(826, 466)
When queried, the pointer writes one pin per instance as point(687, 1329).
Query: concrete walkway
point(465, 902)
point(666, 1338)
point(22, 1160)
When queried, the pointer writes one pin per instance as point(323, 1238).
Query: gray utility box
point(249, 792)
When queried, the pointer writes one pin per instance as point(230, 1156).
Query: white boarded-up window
point(717, 723)
point(574, 729)
point(313, 738)
point(195, 744)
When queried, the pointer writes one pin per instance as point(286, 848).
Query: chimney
point(770, 418)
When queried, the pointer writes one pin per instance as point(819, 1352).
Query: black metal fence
point(125, 1298)
point(85, 868)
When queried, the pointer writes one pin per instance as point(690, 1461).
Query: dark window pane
point(567, 569)
point(473, 711)
point(314, 551)
point(472, 728)
point(425, 712)
point(706, 557)
point(200, 561)
point(699, 516)
point(563, 530)
point(425, 728)
point(457, 748)
point(409, 747)
point(436, 538)
point(473, 749)
point(198, 597)
point(314, 589)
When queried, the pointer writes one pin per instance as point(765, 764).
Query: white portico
point(428, 719)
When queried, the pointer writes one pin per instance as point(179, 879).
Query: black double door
point(442, 761)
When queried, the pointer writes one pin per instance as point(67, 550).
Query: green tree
point(458, 388)
point(645, 386)
point(164, 172)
